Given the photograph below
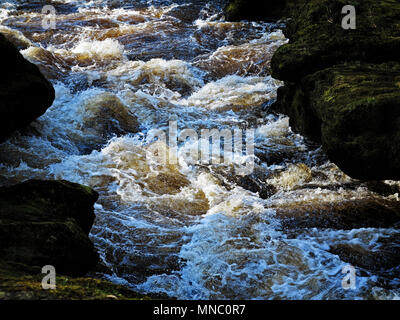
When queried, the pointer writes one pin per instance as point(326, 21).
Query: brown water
point(190, 231)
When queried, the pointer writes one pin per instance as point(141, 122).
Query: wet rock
point(24, 92)
point(354, 111)
point(254, 182)
point(342, 85)
point(18, 284)
point(47, 223)
point(386, 257)
point(186, 13)
point(16, 38)
point(318, 41)
point(382, 188)
point(52, 66)
point(267, 10)
point(344, 215)
point(105, 116)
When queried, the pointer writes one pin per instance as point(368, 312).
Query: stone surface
point(47, 223)
point(25, 94)
point(342, 86)
point(354, 111)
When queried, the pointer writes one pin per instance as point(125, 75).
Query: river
point(192, 231)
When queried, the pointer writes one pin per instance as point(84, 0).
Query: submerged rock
point(383, 258)
point(343, 215)
point(47, 223)
point(25, 94)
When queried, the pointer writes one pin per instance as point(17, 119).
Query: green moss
point(318, 41)
point(15, 284)
point(353, 109)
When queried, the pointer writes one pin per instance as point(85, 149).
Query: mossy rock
point(354, 110)
point(47, 223)
point(318, 41)
point(16, 284)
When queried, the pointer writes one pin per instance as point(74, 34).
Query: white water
point(186, 231)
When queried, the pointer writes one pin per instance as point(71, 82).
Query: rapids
point(123, 68)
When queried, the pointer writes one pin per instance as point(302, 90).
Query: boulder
point(318, 41)
point(47, 223)
point(354, 111)
point(342, 86)
point(25, 94)
point(266, 10)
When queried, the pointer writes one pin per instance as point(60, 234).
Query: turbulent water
point(122, 68)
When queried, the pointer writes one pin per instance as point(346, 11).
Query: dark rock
point(47, 223)
point(318, 41)
point(254, 182)
point(344, 215)
point(24, 92)
point(266, 10)
point(17, 283)
point(354, 111)
point(384, 258)
point(342, 86)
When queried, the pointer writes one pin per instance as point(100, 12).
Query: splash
point(192, 230)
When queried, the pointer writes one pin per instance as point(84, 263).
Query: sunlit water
point(187, 231)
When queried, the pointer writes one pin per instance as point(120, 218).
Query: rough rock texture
point(318, 41)
point(354, 111)
point(17, 284)
point(25, 94)
point(342, 86)
point(47, 223)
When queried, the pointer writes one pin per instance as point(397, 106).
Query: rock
point(254, 182)
point(373, 212)
point(47, 223)
point(16, 38)
point(354, 111)
point(342, 86)
point(51, 65)
point(267, 10)
point(19, 285)
point(24, 92)
point(384, 258)
point(318, 41)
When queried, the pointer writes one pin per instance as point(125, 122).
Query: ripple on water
point(121, 68)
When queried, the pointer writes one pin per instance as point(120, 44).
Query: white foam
point(102, 50)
